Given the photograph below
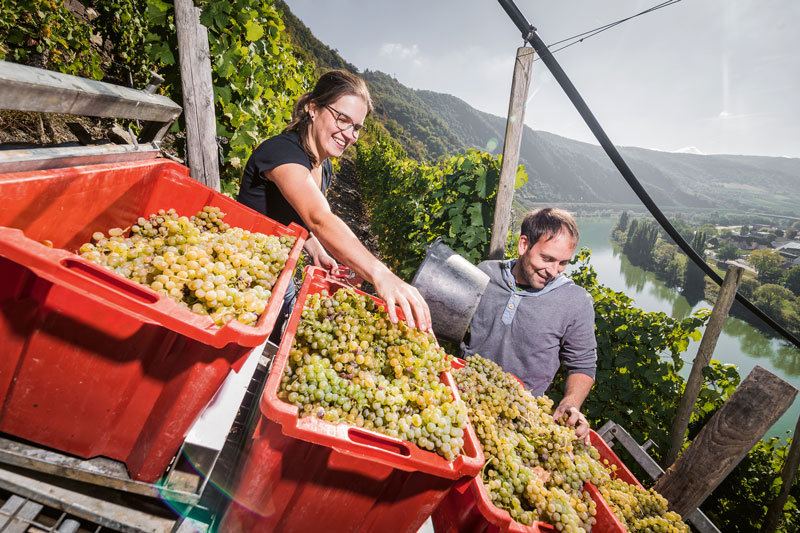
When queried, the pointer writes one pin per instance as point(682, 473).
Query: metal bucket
point(452, 287)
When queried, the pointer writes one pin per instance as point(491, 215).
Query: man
point(531, 319)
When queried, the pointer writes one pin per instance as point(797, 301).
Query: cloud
point(401, 51)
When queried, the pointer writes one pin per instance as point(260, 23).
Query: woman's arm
point(299, 188)
point(318, 253)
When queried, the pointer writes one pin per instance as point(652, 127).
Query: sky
point(714, 77)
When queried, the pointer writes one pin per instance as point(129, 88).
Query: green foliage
point(728, 251)
point(772, 299)
point(792, 280)
point(47, 32)
point(412, 204)
point(668, 259)
point(740, 503)
point(767, 263)
point(123, 25)
point(694, 278)
point(638, 360)
point(640, 241)
point(622, 223)
point(255, 74)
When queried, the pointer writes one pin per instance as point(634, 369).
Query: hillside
point(565, 170)
point(561, 170)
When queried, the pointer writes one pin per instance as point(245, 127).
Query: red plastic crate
point(307, 474)
point(468, 508)
point(93, 363)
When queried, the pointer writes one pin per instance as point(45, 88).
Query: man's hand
point(575, 418)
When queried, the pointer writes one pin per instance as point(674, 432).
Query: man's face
point(539, 263)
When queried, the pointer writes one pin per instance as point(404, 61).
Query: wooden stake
point(515, 124)
point(198, 94)
point(727, 293)
point(740, 423)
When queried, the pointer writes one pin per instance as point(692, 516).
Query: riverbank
point(740, 343)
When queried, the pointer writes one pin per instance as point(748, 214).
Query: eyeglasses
point(344, 122)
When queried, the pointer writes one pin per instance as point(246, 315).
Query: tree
point(767, 263)
point(748, 287)
point(670, 262)
point(728, 251)
point(694, 279)
point(792, 280)
point(771, 298)
point(622, 223)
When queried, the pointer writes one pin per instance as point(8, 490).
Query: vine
point(412, 204)
point(255, 73)
point(47, 33)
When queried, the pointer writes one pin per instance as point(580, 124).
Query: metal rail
point(25, 88)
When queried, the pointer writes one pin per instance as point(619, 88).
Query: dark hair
point(548, 222)
point(330, 87)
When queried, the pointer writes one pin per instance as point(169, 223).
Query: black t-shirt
point(262, 195)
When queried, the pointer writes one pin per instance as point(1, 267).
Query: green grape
point(201, 262)
point(535, 468)
point(641, 510)
point(350, 364)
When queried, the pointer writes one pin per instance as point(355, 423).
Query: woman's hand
point(301, 191)
point(395, 291)
point(318, 254)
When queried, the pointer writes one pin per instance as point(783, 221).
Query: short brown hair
point(330, 87)
point(548, 222)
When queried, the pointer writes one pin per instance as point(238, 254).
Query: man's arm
point(579, 356)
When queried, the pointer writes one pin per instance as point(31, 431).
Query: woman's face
point(333, 127)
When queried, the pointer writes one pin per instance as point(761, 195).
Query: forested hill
point(561, 170)
point(565, 170)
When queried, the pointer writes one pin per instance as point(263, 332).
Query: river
point(739, 344)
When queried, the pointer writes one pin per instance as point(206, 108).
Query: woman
point(287, 176)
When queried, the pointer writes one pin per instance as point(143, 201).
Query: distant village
point(758, 237)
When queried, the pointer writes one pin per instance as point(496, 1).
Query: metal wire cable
point(580, 37)
point(530, 35)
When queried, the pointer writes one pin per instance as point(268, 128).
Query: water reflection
point(681, 308)
point(787, 358)
point(639, 279)
point(635, 277)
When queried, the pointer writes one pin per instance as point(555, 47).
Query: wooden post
point(515, 124)
point(727, 293)
point(788, 474)
point(740, 423)
point(198, 94)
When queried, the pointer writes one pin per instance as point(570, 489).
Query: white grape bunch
point(350, 364)
point(200, 262)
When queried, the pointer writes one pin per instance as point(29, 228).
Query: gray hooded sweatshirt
point(532, 333)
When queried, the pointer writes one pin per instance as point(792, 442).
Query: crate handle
point(134, 291)
point(368, 438)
